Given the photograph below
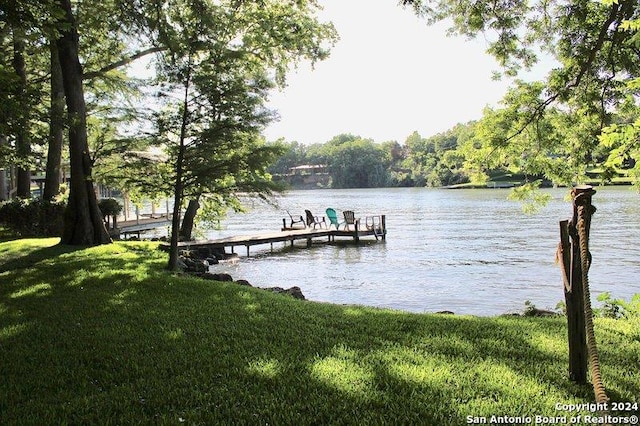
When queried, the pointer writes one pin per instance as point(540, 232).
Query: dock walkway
point(139, 225)
point(379, 231)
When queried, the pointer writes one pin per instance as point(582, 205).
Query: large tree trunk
point(23, 142)
point(83, 224)
point(53, 174)
point(186, 230)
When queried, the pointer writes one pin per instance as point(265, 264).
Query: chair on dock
point(295, 221)
point(333, 218)
point(349, 219)
point(375, 225)
point(314, 220)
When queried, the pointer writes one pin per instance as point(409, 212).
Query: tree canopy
point(593, 85)
point(226, 55)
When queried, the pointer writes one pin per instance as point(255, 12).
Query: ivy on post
point(571, 265)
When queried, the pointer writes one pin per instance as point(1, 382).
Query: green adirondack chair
point(333, 218)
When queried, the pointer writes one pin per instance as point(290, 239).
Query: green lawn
point(104, 336)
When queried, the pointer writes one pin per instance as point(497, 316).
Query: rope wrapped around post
point(575, 260)
point(584, 211)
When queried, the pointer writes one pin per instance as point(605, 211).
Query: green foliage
point(357, 163)
point(532, 200)
point(221, 60)
point(240, 50)
point(623, 142)
point(557, 149)
point(294, 155)
point(434, 161)
point(611, 308)
point(529, 308)
point(618, 308)
point(353, 161)
point(550, 128)
point(109, 207)
point(562, 307)
point(33, 217)
point(23, 92)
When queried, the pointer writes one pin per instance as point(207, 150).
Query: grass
point(103, 335)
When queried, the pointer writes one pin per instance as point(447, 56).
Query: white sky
point(389, 75)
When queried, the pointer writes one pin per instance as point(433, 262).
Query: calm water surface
point(468, 251)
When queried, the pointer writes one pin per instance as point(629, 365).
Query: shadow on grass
point(128, 343)
point(33, 257)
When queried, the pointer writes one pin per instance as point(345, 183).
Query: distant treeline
point(466, 155)
point(355, 162)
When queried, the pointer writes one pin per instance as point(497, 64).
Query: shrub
point(33, 218)
point(618, 308)
point(109, 207)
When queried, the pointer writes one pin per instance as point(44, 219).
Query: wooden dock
point(139, 225)
point(376, 229)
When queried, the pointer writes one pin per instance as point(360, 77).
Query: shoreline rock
point(196, 263)
point(294, 292)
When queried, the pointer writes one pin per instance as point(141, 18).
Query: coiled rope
point(584, 212)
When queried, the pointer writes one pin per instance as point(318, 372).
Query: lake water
point(468, 251)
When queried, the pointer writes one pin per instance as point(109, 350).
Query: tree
point(83, 224)
point(33, 29)
point(223, 58)
point(23, 142)
point(595, 47)
point(358, 163)
point(217, 149)
point(52, 23)
point(56, 127)
point(21, 84)
point(622, 137)
point(105, 48)
point(431, 160)
point(272, 33)
point(295, 154)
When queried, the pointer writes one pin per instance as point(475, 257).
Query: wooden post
point(571, 272)
point(383, 220)
point(569, 257)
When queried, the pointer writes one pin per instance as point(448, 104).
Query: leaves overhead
point(593, 50)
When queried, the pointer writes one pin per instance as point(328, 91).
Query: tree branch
point(584, 67)
point(613, 13)
point(122, 62)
